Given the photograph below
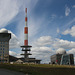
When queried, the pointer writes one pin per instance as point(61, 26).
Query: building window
point(0, 52)
point(0, 45)
point(3, 48)
point(1, 42)
point(6, 42)
point(0, 48)
point(3, 51)
point(3, 45)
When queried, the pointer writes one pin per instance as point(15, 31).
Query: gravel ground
point(8, 72)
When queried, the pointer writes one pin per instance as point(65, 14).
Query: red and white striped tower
point(26, 30)
point(26, 48)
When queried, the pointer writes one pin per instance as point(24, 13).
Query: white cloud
point(60, 43)
point(71, 51)
point(54, 42)
point(12, 53)
point(67, 11)
point(42, 49)
point(66, 32)
point(45, 46)
point(70, 31)
point(14, 42)
point(42, 53)
point(44, 40)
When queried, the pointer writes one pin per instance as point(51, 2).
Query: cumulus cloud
point(60, 43)
point(45, 46)
point(42, 53)
point(44, 40)
point(71, 51)
point(66, 32)
point(70, 31)
point(12, 53)
point(41, 50)
point(14, 42)
point(54, 42)
point(67, 11)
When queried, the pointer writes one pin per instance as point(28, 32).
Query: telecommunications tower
point(26, 47)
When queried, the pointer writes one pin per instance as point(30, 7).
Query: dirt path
point(8, 72)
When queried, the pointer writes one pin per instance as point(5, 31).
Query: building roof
point(19, 60)
point(61, 51)
point(13, 59)
point(3, 30)
point(26, 46)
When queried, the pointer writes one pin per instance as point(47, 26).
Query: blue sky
point(51, 25)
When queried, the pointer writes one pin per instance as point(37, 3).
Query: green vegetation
point(40, 69)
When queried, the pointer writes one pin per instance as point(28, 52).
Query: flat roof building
point(62, 58)
point(4, 46)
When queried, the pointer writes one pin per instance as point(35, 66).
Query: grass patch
point(40, 69)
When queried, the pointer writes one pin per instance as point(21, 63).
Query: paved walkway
point(8, 72)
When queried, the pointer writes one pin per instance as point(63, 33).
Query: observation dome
point(3, 30)
point(61, 51)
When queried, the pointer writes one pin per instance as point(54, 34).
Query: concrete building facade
point(4, 47)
